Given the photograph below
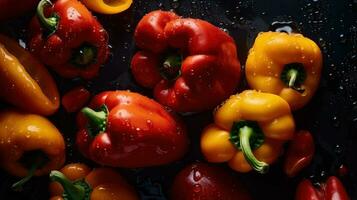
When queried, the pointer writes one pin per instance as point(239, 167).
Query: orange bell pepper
point(24, 81)
point(288, 65)
point(78, 182)
point(248, 121)
point(29, 145)
point(108, 7)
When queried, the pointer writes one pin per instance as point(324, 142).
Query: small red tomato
point(75, 99)
point(203, 181)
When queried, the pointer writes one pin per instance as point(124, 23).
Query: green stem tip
point(245, 136)
point(97, 119)
point(48, 23)
point(293, 76)
point(78, 190)
point(171, 67)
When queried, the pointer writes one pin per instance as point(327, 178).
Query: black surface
point(331, 115)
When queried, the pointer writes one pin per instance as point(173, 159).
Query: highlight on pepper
point(285, 64)
point(30, 145)
point(108, 6)
point(77, 181)
point(249, 131)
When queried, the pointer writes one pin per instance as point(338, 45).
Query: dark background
point(331, 116)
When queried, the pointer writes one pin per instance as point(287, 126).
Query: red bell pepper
point(331, 190)
point(129, 130)
point(203, 181)
point(191, 64)
point(11, 8)
point(75, 99)
point(66, 36)
point(299, 154)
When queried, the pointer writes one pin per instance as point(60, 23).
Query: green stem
point(73, 191)
point(49, 23)
point(245, 133)
point(84, 55)
point(19, 185)
point(171, 68)
point(292, 74)
point(32, 160)
point(97, 119)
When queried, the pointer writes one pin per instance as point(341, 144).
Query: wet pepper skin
point(203, 181)
point(267, 120)
point(203, 71)
point(68, 39)
point(135, 132)
point(333, 189)
point(271, 56)
point(98, 184)
point(24, 81)
point(21, 133)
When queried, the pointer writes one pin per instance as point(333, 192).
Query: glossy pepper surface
point(299, 154)
point(11, 8)
point(249, 131)
point(129, 130)
point(77, 181)
point(75, 99)
point(203, 181)
point(333, 189)
point(108, 7)
point(191, 64)
point(24, 81)
point(288, 65)
point(29, 145)
point(66, 37)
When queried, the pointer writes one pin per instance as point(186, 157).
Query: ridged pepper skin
point(333, 189)
point(66, 37)
point(77, 181)
point(288, 65)
point(10, 8)
point(248, 132)
point(29, 144)
point(24, 81)
point(129, 130)
point(204, 181)
point(191, 64)
point(299, 154)
point(108, 7)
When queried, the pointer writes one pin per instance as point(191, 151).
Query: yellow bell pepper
point(107, 6)
point(249, 131)
point(288, 65)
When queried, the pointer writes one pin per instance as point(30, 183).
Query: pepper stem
point(49, 23)
point(72, 191)
point(32, 160)
point(171, 68)
point(84, 55)
point(97, 119)
point(244, 137)
point(19, 185)
point(293, 76)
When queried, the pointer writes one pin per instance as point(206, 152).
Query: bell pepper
point(191, 64)
point(30, 145)
point(249, 131)
point(75, 99)
point(10, 8)
point(24, 81)
point(108, 7)
point(299, 153)
point(126, 129)
point(66, 37)
point(333, 189)
point(288, 65)
point(77, 181)
point(203, 181)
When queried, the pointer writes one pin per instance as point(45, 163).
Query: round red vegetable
point(75, 99)
point(203, 181)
